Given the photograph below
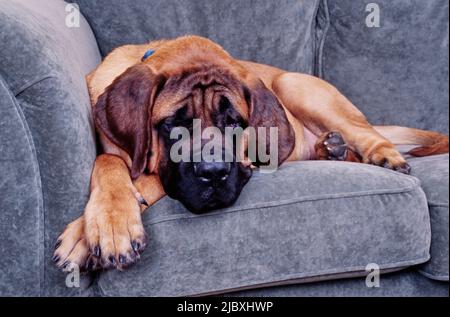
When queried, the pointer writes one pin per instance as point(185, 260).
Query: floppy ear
point(266, 111)
point(123, 113)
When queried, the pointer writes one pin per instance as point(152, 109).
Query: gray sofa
point(310, 229)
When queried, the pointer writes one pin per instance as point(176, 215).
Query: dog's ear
point(266, 112)
point(123, 113)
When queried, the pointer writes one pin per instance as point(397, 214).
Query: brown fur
point(130, 96)
point(123, 115)
point(432, 143)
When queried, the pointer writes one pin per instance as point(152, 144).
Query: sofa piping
point(287, 202)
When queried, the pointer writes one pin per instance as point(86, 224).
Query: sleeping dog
point(140, 93)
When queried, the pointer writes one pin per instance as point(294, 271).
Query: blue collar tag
point(147, 55)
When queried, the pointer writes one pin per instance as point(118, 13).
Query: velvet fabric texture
point(44, 96)
point(21, 204)
point(405, 283)
point(280, 33)
point(397, 74)
point(434, 175)
point(308, 221)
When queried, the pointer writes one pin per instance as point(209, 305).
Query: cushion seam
point(427, 158)
point(32, 82)
point(313, 31)
point(319, 57)
point(437, 205)
point(289, 202)
point(411, 178)
point(435, 275)
point(384, 266)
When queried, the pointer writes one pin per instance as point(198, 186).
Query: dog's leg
point(332, 147)
point(110, 234)
point(321, 108)
point(150, 189)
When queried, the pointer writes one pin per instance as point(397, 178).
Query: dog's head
point(149, 112)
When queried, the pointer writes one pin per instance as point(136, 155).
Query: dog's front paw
point(113, 229)
point(388, 157)
point(71, 248)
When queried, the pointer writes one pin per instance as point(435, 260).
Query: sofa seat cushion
point(309, 221)
point(433, 172)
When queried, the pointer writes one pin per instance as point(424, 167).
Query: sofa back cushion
point(280, 33)
point(396, 73)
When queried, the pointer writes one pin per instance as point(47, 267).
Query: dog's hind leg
point(321, 109)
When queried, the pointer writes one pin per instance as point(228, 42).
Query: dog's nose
point(212, 171)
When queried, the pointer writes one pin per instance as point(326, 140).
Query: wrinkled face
point(140, 111)
point(211, 181)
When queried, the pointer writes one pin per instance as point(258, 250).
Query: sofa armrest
point(19, 173)
point(43, 63)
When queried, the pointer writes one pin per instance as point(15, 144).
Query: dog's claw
point(136, 246)
point(404, 169)
point(97, 251)
point(92, 263)
point(58, 244)
point(112, 259)
point(89, 265)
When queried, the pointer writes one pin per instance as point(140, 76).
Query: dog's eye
point(230, 117)
point(233, 119)
point(224, 104)
point(167, 124)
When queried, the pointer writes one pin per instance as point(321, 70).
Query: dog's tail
point(429, 143)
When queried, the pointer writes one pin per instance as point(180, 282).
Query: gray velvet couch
point(310, 229)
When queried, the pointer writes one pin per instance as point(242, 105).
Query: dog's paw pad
point(331, 146)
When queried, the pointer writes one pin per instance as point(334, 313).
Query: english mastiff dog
point(141, 92)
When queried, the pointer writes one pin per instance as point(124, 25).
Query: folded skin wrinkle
point(209, 144)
